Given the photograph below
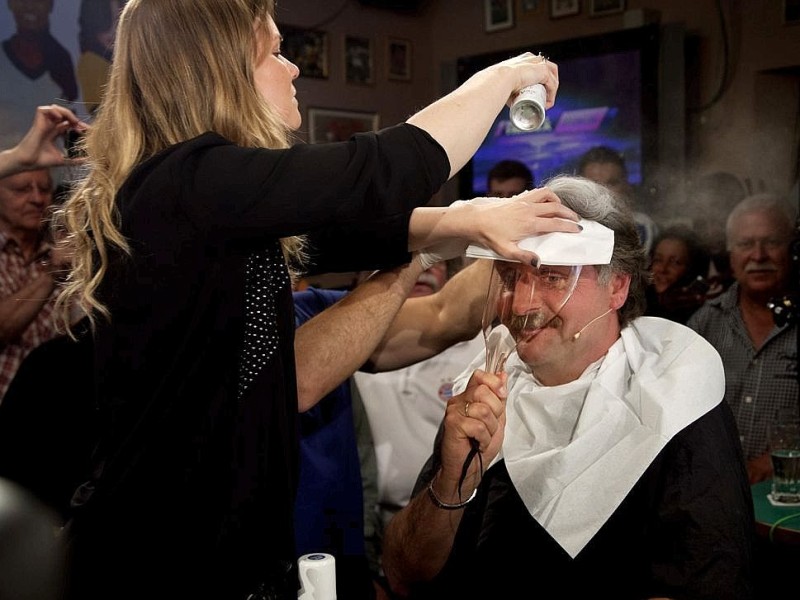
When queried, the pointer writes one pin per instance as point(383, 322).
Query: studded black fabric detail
point(266, 275)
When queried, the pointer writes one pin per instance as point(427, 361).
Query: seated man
point(31, 269)
point(613, 464)
point(758, 352)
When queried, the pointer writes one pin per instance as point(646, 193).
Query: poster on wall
point(67, 58)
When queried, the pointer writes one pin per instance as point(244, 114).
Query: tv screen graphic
point(607, 96)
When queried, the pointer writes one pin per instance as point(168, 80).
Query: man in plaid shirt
point(29, 269)
point(760, 356)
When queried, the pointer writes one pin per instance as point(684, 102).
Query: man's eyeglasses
point(770, 243)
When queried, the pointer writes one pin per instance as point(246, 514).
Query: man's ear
point(619, 286)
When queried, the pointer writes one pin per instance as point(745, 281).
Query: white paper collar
point(575, 451)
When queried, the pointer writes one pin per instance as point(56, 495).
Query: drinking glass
point(784, 444)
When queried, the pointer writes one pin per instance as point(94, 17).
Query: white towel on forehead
point(575, 451)
point(591, 246)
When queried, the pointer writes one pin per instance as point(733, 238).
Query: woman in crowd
point(678, 265)
point(184, 235)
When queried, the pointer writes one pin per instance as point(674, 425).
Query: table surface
point(787, 530)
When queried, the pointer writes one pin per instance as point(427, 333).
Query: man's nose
point(526, 296)
point(760, 250)
point(38, 196)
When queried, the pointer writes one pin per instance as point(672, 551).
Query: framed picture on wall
point(791, 12)
point(337, 125)
point(398, 59)
point(530, 5)
point(564, 8)
point(308, 49)
point(601, 8)
point(358, 63)
point(499, 14)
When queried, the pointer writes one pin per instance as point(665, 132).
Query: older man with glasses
point(759, 353)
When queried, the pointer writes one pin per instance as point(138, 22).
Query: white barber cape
point(574, 451)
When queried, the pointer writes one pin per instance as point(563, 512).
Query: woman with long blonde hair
point(183, 232)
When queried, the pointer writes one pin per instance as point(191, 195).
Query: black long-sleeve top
point(685, 530)
point(195, 372)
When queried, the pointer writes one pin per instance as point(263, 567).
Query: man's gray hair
point(597, 203)
point(761, 203)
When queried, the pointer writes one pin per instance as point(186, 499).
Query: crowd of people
point(199, 403)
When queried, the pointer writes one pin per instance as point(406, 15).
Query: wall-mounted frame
point(398, 59)
point(358, 61)
point(308, 49)
point(499, 14)
point(791, 12)
point(564, 8)
point(337, 125)
point(601, 8)
point(530, 5)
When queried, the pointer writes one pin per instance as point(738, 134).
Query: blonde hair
point(180, 68)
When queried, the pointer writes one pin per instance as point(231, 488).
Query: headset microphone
point(577, 335)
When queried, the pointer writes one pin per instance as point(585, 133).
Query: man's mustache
point(755, 266)
point(534, 321)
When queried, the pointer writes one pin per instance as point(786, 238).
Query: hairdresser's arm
point(460, 120)
point(342, 337)
point(38, 148)
point(426, 325)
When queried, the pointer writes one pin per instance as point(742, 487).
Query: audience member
point(711, 199)
point(760, 356)
point(181, 232)
point(678, 265)
point(329, 506)
point(39, 149)
point(30, 269)
point(98, 23)
point(614, 468)
point(606, 166)
point(34, 68)
point(508, 178)
point(41, 424)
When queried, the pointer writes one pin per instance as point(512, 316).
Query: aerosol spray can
point(527, 109)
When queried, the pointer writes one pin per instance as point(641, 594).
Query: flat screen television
point(608, 95)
